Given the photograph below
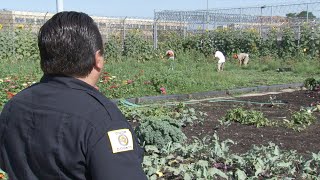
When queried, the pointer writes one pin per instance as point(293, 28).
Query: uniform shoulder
point(71, 101)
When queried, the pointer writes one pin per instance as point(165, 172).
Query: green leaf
point(284, 164)
point(153, 177)
point(203, 163)
point(214, 171)
point(151, 148)
point(187, 176)
point(241, 175)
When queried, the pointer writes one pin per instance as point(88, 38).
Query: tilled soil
point(246, 136)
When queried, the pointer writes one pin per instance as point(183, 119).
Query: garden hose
point(239, 101)
point(129, 104)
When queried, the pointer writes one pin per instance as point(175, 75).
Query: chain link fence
point(10, 20)
point(109, 26)
point(261, 18)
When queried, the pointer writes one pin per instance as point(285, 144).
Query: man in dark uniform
point(63, 127)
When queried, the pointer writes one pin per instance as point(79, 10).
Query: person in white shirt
point(221, 61)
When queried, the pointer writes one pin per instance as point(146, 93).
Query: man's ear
point(98, 57)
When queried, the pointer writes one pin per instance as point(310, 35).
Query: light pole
point(59, 5)
point(262, 7)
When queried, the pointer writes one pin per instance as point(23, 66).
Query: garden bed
point(246, 136)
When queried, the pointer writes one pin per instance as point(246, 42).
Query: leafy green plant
point(248, 117)
point(311, 168)
point(189, 116)
point(311, 84)
point(210, 158)
point(199, 160)
point(172, 40)
point(269, 46)
point(309, 41)
point(20, 44)
point(300, 120)
point(159, 131)
point(112, 48)
point(288, 44)
point(269, 162)
point(136, 46)
point(137, 114)
point(158, 81)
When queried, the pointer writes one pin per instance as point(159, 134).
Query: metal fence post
point(124, 33)
point(155, 34)
point(215, 19)
point(261, 8)
point(184, 27)
point(12, 34)
point(299, 35)
point(271, 15)
point(240, 21)
point(307, 13)
point(207, 15)
point(203, 22)
point(181, 21)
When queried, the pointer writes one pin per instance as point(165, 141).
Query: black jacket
point(59, 129)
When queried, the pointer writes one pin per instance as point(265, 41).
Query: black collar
point(67, 81)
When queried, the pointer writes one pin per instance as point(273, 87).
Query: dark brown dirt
point(246, 136)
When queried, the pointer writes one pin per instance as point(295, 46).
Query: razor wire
point(261, 18)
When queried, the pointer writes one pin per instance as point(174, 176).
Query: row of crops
point(282, 43)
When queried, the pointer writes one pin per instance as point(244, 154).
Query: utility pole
point(59, 5)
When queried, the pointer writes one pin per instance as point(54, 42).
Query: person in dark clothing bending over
point(63, 127)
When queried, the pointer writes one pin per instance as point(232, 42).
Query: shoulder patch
point(121, 140)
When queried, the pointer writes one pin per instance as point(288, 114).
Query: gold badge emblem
point(120, 140)
point(123, 140)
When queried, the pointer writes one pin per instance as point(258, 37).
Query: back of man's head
point(68, 43)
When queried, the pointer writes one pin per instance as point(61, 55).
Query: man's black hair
point(68, 43)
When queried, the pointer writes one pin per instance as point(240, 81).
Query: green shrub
point(112, 48)
point(20, 44)
point(137, 47)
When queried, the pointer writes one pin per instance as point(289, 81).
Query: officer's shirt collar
point(67, 81)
